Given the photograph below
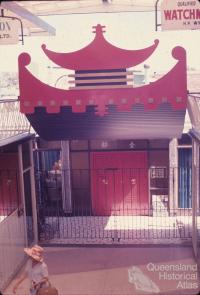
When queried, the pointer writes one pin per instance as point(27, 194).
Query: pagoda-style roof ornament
point(100, 54)
point(102, 100)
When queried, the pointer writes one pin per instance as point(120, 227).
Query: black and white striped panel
point(101, 78)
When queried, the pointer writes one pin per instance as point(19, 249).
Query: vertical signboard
point(180, 15)
point(9, 31)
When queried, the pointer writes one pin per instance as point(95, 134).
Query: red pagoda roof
point(171, 88)
point(102, 101)
point(100, 54)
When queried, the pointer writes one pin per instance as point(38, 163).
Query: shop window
point(158, 172)
point(158, 178)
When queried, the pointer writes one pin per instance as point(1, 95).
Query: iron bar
point(113, 211)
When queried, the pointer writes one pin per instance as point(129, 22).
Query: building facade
point(110, 150)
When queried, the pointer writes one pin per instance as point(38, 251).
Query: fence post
point(33, 193)
point(21, 180)
point(173, 176)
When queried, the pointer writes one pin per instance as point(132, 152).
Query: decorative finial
point(98, 29)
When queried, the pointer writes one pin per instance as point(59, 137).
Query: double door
point(119, 183)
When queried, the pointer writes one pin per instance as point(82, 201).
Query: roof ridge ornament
point(98, 29)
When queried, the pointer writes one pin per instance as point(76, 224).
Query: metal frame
point(156, 15)
point(21, 25)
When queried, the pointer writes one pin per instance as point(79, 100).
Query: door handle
point(133, 181)
point(104, 181)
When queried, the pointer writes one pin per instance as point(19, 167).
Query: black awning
point(138, 123)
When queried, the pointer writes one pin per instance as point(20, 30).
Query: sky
point(129, 30)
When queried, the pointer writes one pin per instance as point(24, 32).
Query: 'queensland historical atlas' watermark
point(185, 275)
point(154, 276)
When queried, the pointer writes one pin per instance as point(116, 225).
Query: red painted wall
point(119, 183)
point(8, 183)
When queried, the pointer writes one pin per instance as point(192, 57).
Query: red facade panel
point(119, 183)
point(8, 183)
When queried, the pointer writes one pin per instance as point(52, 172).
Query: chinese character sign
point(9, 31)
point(180, 15)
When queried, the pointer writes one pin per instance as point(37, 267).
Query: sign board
point(180, 15)
point(9, 31)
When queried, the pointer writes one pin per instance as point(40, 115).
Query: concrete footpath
point(128, 270)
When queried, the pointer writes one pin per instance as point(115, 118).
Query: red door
point(119, 183)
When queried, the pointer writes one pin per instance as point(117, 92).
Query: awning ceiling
point(40, 8)
point(30, 12)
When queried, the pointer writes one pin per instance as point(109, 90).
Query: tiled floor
point(127, 270)
point(123, 229)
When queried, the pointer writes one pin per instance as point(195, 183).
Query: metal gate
point(104, 206)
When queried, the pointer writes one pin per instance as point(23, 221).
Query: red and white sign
point(180, 15)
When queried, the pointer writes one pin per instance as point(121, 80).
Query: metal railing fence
point(113, 206)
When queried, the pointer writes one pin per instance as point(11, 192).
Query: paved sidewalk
point(130, 270)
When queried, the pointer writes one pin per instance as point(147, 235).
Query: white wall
point(12, 242)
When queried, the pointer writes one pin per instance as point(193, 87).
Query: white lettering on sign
point(9, 31)
point(180, 15)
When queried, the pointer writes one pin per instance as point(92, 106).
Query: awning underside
point(138, 123)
